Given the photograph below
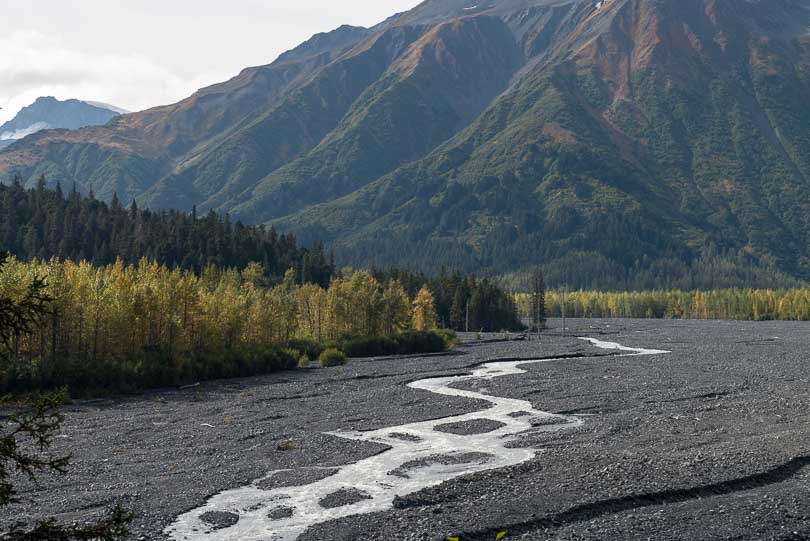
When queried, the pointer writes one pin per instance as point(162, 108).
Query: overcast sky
point(140, 53)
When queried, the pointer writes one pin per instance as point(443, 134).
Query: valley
point(385, 285)
point(707, 440)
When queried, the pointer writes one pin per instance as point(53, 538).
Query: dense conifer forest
point(45, 223)
point(463, 302)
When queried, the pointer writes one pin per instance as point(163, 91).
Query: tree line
point(125, 327)
point(45, 223)
point(729, 304)
point(463, 302)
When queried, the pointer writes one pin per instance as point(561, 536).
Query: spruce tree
point(538, 299)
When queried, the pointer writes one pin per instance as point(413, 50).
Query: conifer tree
point(538, 299)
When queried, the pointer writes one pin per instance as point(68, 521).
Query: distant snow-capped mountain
point(50, 113)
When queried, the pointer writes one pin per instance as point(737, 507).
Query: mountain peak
point(615, 137)
point(47, 112)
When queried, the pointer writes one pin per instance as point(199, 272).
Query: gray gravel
point(709, 442)
point(342, 497)
point(447, 460)
point(468, 428)
point(219, 519)
point(295, 478)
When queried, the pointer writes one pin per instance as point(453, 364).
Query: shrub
point(449, 336)
point(310, 348)
point(411, 342)
point(148, 369)
point(405, 343)
point(304, 360)
point(332, 357)
point(369, 346)
point(286, 445)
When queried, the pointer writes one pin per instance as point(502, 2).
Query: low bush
point(310, 348)
point(150, 369)
point(411, 342)
point(369, 346)
point(449, 336)
point(155, 367)
point(332, 357)
point(405, 343)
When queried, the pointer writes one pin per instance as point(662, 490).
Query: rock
point(219, 520)
point(295, 478)
point(343, 497)
point(469, 428)
point(280, 513)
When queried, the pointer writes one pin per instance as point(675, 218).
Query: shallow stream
point(421, 455)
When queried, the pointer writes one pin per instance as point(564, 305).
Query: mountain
point(49, 113)
point(620, 143)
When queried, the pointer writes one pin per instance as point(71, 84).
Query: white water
point(373, 475)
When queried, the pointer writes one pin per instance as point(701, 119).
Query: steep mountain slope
point(295, 124)
point(608, 140)
point(438, 86)
point(134, 152)
point(651, 131)
point(47, 113)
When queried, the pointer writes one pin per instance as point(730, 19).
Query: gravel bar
point(711, 441)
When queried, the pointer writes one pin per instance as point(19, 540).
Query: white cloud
point(138, 54)
point(19, 134)
point(33, 64)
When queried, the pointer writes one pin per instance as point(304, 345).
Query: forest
point(463, 302)
point(130, 327)
point(45, 223)
point(729, 304)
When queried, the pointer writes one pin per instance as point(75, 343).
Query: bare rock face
point(49, 113)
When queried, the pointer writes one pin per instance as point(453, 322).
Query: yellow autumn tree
point(396, 310)
point(312, 311)
point(424, 311)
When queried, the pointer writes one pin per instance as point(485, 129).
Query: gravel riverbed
point(707, 442)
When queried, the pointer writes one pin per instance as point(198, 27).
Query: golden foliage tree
point(424, 311)
point(149, 319)
point(733, 304)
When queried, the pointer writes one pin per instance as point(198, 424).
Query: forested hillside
point(47, 223)
point(644, 143)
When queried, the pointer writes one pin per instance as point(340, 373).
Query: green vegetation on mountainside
point(635, 145)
